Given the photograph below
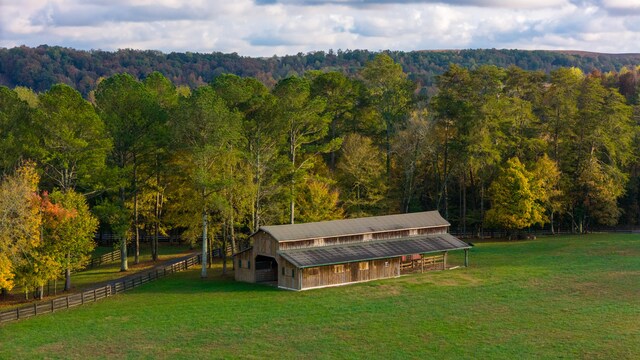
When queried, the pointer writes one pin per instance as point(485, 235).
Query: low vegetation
point(556, 297)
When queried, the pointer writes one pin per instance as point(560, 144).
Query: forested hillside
point(493, 148)
point(40, 68)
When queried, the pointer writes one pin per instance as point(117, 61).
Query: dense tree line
point(494, 148)
point(42, 67)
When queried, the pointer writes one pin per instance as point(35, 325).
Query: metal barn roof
point(371, 250)
point(348, 227)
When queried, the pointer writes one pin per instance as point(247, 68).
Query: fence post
point(52, 309)
point(67, 298)
point(35, 308)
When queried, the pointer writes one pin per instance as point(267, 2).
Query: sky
point(281, 27)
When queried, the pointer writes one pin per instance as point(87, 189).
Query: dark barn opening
point(266, 269)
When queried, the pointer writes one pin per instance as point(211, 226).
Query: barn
point(338, 252)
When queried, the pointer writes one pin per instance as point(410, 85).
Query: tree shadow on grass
point(189, 282)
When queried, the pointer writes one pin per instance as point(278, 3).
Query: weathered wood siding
point(433, 230)
point(352, 272)
point(288, 275)
point(245, 266)
point(264, 244)
point(349, 239)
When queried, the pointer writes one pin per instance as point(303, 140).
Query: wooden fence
point(489, 234)
point(93, 295)
point(104, 259)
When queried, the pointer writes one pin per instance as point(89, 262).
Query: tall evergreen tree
point(391, 93)
point(131, 116)
point(305, 128)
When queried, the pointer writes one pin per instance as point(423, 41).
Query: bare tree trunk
point(481, 208)
point(460, 206)
point(156, 212)
point(124, 265)
point(211, 249)
point(135, 212)
point(445, 179)
point(388, 141)
point(464, 204)
point(154, 243)
point(292, 206)
point(203, 274)
point(256, 214)
point(224, 248)
point(232, 233)
point(67, 274)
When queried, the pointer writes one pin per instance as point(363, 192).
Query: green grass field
point(110, 271)
point(562, 297)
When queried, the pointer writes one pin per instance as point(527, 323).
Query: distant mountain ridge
point(40, 67)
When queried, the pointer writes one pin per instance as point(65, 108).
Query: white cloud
point(291, 26)
point(622, 7)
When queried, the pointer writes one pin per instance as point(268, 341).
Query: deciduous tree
point(74, 139)
point(20, 221)
point(360, 171)
point(515, 204)
point(206, 131)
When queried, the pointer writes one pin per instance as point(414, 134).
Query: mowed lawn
point(101, 274)
point(557, 297)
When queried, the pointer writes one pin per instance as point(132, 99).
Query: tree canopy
point(490, 147)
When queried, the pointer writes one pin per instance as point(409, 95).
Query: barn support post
point(444, 261)
point(466, 257)
point(300, 270)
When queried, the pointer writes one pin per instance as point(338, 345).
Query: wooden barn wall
point(264, 244)
point(435, 230)
point(338, 240)
point(245, 273)
point(327, 275)
point(288, 275)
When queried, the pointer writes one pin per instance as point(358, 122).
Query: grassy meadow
point(100, 274)
point(556, 297)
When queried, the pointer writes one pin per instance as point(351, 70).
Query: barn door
point(355, 272)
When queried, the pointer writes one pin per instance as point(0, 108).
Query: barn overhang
point(372, 250)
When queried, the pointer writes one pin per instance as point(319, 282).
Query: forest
point(41, 67)
point(493, 148)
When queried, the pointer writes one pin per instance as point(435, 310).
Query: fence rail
point(104, 259)
point(93, 295)
point(488, 233)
